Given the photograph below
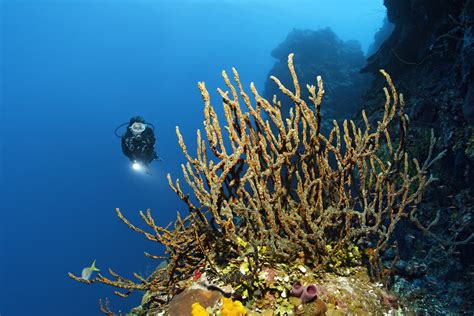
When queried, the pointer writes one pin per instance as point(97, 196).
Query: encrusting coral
point(266, 185)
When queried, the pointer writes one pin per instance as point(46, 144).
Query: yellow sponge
point(231, 308)
point(198, 310)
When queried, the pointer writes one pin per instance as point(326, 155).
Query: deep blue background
point(71, 71)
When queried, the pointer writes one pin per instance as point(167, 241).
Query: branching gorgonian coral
point(278, 183)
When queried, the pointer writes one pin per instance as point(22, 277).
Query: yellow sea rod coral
point(262, 180)
point(231, 308)
point(198, 310)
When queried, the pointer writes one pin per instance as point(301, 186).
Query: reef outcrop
point(276, 200)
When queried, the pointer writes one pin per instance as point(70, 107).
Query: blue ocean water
point(73, 70)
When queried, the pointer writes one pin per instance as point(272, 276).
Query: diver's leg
point(147, 169)
point(156, 157)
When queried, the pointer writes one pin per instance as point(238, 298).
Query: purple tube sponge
point(297, 289)
point(310, 292)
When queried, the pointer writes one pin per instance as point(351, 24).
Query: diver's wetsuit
point(139, 146)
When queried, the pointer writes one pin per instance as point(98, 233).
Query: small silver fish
point(87, 272)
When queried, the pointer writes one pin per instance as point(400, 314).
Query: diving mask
point(137, 127)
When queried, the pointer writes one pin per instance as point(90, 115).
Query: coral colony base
point(278, 208)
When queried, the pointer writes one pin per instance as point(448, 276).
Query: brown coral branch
point(276, 181)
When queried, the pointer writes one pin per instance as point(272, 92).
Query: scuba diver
point(138, 143)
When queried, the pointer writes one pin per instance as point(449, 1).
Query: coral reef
point(431, 48)
point(277, 198)
point(431, 55)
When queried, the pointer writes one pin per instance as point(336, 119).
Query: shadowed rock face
point(430, 56)
point(431, 37)
point(321, 53)
point(467, 61)
point(379, 38)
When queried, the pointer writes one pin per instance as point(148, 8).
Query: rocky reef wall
point(430, 55)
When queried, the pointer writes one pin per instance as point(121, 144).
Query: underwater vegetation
point(277, 203)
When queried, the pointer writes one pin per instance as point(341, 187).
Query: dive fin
point(147, 169)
